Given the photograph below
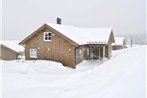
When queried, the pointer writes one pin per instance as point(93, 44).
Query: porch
point(91, 52)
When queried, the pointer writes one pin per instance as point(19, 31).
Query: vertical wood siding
point(57, 50)
point(7, 54)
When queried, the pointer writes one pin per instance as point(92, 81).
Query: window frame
point(49, 36)
point(32, 54)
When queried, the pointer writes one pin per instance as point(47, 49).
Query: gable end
point(51, 29)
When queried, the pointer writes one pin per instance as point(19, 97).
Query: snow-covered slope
point(121, 77)
point(91, 35)
point(81, 35)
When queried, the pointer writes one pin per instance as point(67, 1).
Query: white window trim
point(45, 34)
point(33, 56)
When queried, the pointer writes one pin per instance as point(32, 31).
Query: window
point(87, 51)
point(47, 36)
point(33, 53)
point(80, 51)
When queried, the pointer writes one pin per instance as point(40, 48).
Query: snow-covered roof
point(12, 45)
point(84, 35)
point(118, 41)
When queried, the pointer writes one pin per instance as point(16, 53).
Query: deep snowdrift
point(123, 76)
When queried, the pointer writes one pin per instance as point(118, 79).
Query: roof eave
point(31, 35)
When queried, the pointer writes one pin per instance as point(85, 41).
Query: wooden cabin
point(7, 53)
point(119, 43)
point(9, 50)
point(68, 44)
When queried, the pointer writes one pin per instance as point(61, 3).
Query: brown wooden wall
point(108, 51)
point(59, 49)
point(7, 54)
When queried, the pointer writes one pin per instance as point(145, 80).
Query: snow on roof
point(84, 35)
point(118, 41)
point(12, 45)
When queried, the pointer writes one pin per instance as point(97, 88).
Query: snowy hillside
point(123, 76)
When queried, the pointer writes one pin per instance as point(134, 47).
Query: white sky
point(21, 17)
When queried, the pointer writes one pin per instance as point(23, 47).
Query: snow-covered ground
point(123, 76)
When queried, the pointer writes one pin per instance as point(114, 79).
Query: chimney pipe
point(58, 20)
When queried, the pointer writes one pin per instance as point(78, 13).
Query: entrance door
point(86, 53)
point(96, 52)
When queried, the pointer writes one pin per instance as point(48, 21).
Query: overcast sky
point(21, 17)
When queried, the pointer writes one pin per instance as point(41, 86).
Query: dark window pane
point(49, 34)
point(45, 38)
point(49, 38)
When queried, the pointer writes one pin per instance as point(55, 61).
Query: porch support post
point(89, 52)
